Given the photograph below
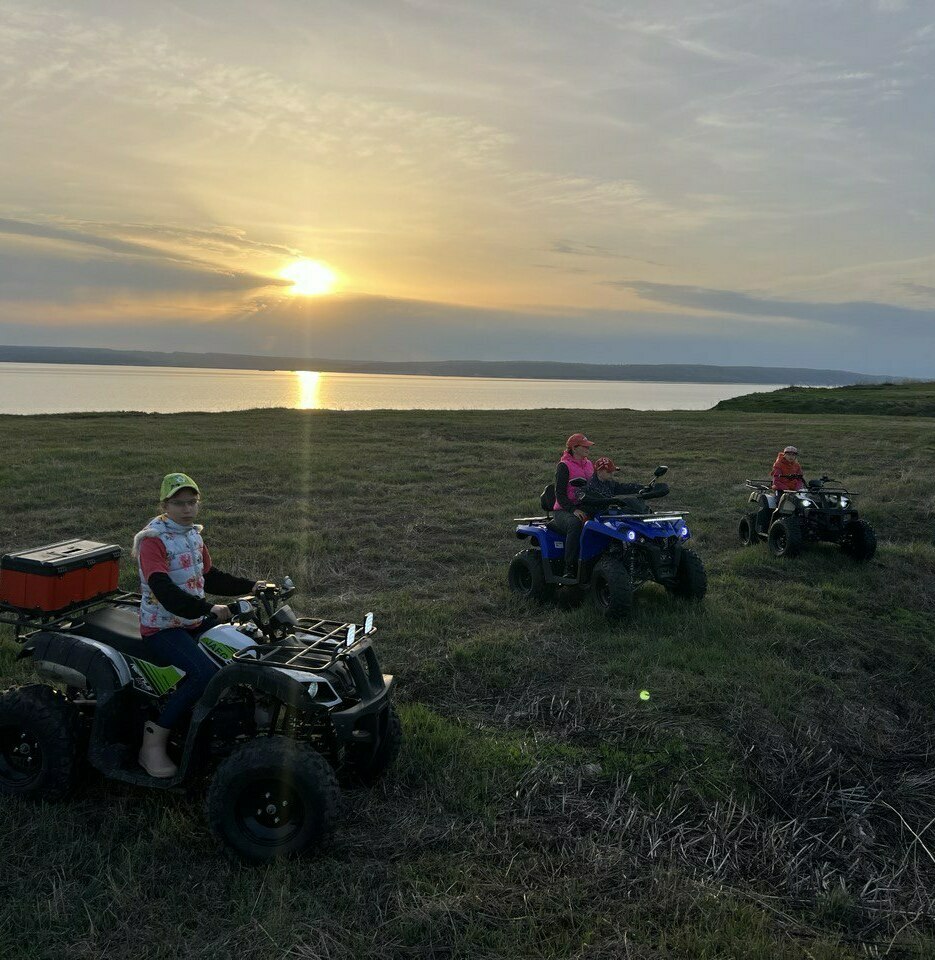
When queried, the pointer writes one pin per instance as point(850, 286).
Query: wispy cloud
point(858, 315)
point(574, 248)
point(107, 262)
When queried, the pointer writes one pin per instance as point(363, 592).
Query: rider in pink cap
point(567, 517)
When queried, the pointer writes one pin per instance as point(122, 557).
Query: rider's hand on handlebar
point(258, 586)
point(222, 611)
point(581, 515)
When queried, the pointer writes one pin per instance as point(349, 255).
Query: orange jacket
point(787, 474)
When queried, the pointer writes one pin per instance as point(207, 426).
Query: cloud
point(575, 248)
point(70, 265)
point(380, 328)
point(858, 315)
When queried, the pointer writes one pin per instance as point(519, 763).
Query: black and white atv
point(820, 512)
point(295, 702)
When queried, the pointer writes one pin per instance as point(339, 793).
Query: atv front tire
point(785, 537)
point(369, 765)
point(271, 798)
point(747, 530)
point(526, 577)
point(40, 736)
point(612, 588)
point(859, 540)
point(691, 581)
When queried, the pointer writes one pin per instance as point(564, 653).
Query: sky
point(632, 181)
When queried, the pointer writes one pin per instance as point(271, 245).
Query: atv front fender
point(596, 538)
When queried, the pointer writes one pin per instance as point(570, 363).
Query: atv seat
point(119, 627)
point(547, 502)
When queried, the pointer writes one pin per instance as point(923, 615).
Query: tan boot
point(153, 757)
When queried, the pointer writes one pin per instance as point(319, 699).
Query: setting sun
point(309, 278)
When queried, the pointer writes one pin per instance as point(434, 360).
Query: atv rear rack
point(332, 639)
point(26, 620)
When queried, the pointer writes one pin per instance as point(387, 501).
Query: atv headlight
point(631, 535)
point(683, 533)
point(806, 502)
point(844, 502)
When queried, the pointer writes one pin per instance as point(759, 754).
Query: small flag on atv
point(351, 633)
point(368, 623)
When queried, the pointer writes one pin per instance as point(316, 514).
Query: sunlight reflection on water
point(72, 388)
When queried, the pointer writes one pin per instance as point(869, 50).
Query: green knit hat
point(173, 482)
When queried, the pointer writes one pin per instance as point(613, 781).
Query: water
point(71, 388)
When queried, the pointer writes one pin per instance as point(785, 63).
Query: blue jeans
point(180, 648)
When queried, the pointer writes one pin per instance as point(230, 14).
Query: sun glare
point(309, 278)
point(308, 383)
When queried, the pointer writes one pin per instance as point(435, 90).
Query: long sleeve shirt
point(154, 564)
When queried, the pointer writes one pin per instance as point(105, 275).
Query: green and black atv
point(295, 703)
point(822, 511)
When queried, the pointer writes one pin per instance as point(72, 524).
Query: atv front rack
point(330, 640)
point(766, 486)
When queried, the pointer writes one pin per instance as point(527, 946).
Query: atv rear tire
point(526, 577)
point(785, 537)
point(369, 766)
point(859, 540)
point(271, 798)
point(40, 736)
point(691, 580)
point(747, 530)
point(612, 588)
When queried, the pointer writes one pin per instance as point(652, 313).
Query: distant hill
point(508, 369)
point(913, 399)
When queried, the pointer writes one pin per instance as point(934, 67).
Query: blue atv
point(624, 545)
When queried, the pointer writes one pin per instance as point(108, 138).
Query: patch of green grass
point(865, 399)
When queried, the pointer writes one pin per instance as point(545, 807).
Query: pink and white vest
point(186, 570)
point(576, 468)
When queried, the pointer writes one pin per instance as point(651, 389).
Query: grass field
point(773, 799)
point(878, 399)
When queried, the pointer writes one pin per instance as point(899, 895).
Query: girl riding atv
point(787, 473)
point(175, 570)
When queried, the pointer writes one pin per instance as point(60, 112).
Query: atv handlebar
point(244, 608)
point(654, 492)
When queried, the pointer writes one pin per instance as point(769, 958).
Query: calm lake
point(71, 388)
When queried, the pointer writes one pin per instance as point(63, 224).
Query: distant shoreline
point(490, 369)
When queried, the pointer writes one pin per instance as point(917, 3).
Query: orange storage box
point(61, 575)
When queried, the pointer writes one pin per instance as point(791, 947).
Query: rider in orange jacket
point(787, 472)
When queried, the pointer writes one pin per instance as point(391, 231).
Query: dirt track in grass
point(773, 797)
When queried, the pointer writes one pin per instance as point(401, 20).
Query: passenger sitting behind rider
point(175, 570)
